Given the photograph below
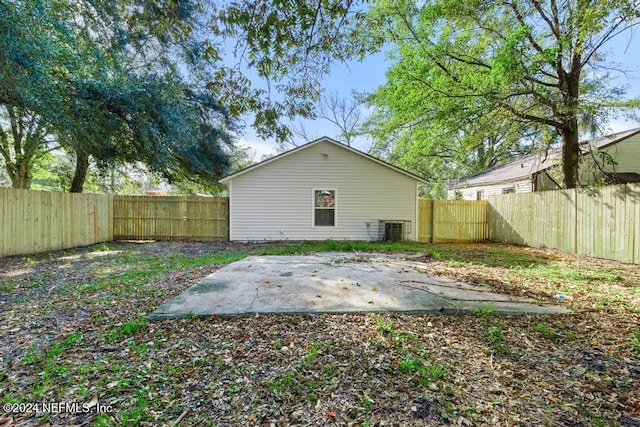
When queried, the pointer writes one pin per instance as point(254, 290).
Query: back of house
point(323, 190)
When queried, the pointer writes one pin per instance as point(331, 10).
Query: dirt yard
point(76, 349)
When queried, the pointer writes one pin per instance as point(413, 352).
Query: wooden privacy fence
point(171, 218)
point(441, 221)
point(39, 221)
point(603, 222)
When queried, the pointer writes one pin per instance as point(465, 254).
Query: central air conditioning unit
point(394, 230)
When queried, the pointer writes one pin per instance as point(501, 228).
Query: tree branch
point(530, 117)
point(553, 27)
point(520, 19)
point(610, 34)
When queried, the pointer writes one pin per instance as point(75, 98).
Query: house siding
point(470, 193)
point(626, 155)
point(274, 201)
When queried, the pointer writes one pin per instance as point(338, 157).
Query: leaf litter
point(72, 330)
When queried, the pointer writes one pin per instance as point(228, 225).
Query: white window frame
point(313, 207)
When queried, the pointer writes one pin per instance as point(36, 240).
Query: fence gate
point(170, 218)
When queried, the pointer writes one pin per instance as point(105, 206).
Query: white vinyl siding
point(272, 202)
point(471, 193)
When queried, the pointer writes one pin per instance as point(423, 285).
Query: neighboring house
point(613, 159)
point(323, 190)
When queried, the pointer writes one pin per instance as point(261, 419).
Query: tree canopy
point(498, 68)
point(118, 81)
point(271, 56)
point(110, 78)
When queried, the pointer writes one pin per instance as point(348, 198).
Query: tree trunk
point(82, 166)
point(569, 133)
point(20, 176)
point(570, 157)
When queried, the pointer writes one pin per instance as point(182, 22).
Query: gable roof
point(526, 166)
point(227, 178)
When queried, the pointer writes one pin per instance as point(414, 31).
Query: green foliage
point(475, 83)
point(312, 354)
point(545, 330)
point(342, 246)
point(287, 46)
point(108, 80)
point(486, 310)
point(635, 342)
point(495, 334)
point(384, 326)
point(410, 364)
point(428, 370)
point(47, 363)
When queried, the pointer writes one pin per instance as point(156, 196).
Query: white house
point(613, 159)
point(323, 190)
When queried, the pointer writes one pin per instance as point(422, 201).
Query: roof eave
point(482, 184)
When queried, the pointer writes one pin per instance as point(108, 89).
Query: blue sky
point(366, 76)
point(363, 76)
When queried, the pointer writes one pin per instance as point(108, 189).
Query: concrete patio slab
point(336, 283)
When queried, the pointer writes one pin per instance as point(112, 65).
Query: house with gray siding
point(612, 159)
point(323, 190)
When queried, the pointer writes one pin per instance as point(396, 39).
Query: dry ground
point(72, 330)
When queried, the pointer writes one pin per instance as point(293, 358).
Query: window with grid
point(324, 208)
point(508, 190)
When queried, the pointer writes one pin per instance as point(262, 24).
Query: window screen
point(324, 208)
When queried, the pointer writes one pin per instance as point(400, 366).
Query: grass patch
point(312, 354)
point(181, 261)
point(426, 370)
point(494, 333)
point(7, 286)
point(490, 257)
point(307, 247)
point(46, 362)
point(130, 281)
point(571, 275)
point(384, 326)
point(545, 330)
point(635, 342)
point(125, 330)
point(485, 310)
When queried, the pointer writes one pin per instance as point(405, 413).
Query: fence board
point(602, 222)
point(452, 221)
point(607, 220)
point(39, 221)
point(425, 218)
point(171, 218)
